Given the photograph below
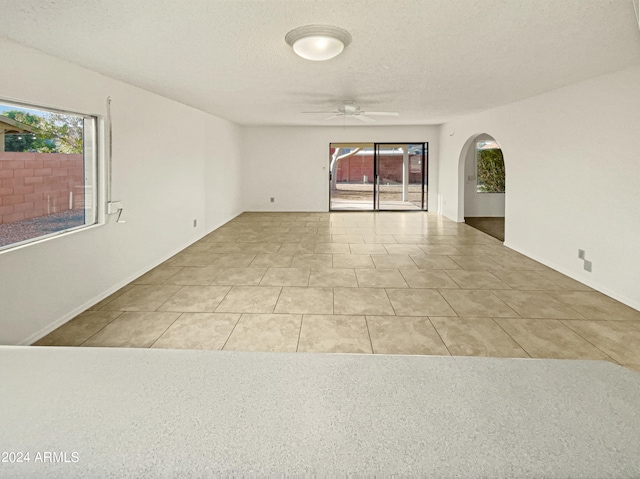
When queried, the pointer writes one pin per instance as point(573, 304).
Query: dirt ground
point(32, 228)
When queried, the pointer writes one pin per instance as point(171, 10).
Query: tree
point(57, 133)
point(491, 174)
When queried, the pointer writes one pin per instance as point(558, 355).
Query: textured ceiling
point(429, 60)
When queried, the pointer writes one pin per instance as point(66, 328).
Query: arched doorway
point(483, 185)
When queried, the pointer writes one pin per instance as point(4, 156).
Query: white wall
point(572, 160)
point(292, 163)
point(172, 164)
point(479, 204)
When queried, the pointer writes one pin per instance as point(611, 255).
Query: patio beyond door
point(378, 176)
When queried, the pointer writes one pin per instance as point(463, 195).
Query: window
point(47, 173)
point(490, 167)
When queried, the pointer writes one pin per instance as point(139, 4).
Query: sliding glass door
point(378, 176)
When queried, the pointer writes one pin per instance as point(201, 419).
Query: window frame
point(90, 165)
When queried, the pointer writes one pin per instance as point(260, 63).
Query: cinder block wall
point(38, 184)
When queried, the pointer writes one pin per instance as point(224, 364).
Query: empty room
point(299, 237)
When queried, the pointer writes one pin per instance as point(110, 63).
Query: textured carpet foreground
point(167, 413)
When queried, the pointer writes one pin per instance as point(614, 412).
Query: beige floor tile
point(594, 305)
point(332, 278)
point(378, 239)
point(338, 248)
point(346, 239)
point(518, 262)
point(266, 332)
point(476, 337)
point(478, 262)
point(286, 277)
point(194, 276)
point(293, 248)
point(563, 281)
point(100, 305)
point(409, 249)
point(301, 260)
point(618, 339)
point(432, 249)
point(525, 280)
point(259, 248)
point(240, 276)
point(305, 300)
point(368, 249)
point(537, 304)
point(352, 261)
point(334, 334)
point(272, 261)
point(225, 247)
point(380, 278)
point(393, 261)
point(198, 331)
point(199, 247)
point(477, 303)
point(234, 260)
point(196, 299)
point(404, 335)
point(158, 275)
point(434, 261)
point(359, 301)
point(133, 330)
point(416, 239)
point(548, 338)
point(421, 278)
point(468, 279)
point(419, 302)
point(142, 298)
point(193, 259)
point(79, 329)
point(249, 299)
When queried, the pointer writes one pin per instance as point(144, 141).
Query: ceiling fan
point(349, 109)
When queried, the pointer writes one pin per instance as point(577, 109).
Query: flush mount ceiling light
point(318, 42)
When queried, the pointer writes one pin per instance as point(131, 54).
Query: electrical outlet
point(581, 254)
point(273, 200)
point(587, 265)
point(195, 223)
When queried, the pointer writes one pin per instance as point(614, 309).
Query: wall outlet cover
point(581, 254)
point(588, 265)
point(273, 200)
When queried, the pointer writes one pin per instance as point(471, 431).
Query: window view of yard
point(490, 167)
point(45, 179)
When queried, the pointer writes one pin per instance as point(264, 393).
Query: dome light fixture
point(318, 42)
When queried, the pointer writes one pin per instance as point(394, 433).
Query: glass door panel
point(351, 177)
point(400, 174)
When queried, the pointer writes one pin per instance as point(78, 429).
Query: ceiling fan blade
point(366, 119)
point(319, 111)
point(381, 113)
point(332, 117)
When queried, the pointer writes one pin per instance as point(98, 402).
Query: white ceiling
point(429, 60)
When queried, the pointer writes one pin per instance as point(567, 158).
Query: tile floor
point(396, 283)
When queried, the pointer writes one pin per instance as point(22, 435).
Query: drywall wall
point(572, 167)
point(291, 164)
point(164, 154)
point(479, 204)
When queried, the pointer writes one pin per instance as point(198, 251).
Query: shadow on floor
point(491, 225)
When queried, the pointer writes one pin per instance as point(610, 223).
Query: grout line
point(232, 330)
point(167, 328)
point(300, 332)
point(512, 338)
point(389, 299)
point(79, 345)
point(369, 333)
point(439, 335)
point(585, 339)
